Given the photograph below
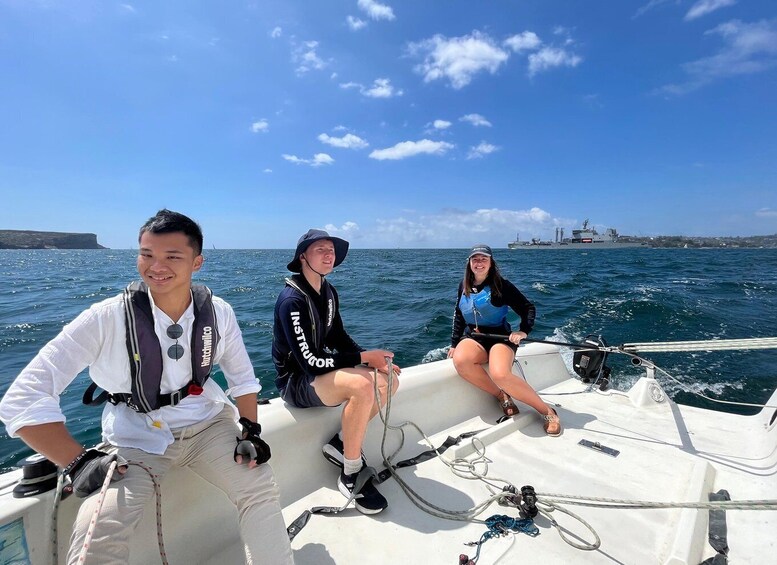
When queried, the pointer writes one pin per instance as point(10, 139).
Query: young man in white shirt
point(152, 350)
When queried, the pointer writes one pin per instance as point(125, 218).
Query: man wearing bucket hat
point(319, 364)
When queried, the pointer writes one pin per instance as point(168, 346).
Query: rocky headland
point(26, 239)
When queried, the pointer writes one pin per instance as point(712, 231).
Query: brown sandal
point(552, 424)
point(508, 406)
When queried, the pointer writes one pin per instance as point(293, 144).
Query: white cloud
point(347, 231)
point(317, 160)
point(480, 150)
point(306, 58)
point(128, 8)
point(551, 57)
point(267, 171)
point(704, 7)
point(457, 59)
point(475, 120)
point(749, 48)
point(355, 24)
point(260, 126)
point(647, 7)
point(459, 228)
point(406, 149)
point(376, 10)
point(276, 32)
point(526, 41)
point(348, 141)
point(381, 88)
point(441, 124)
point(766, 213)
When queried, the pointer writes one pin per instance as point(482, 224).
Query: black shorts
point(299, 392)
point(489, 342)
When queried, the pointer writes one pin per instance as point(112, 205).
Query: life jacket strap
point(169, 399)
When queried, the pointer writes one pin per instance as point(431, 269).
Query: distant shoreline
point(29, 239)
point(727, 242)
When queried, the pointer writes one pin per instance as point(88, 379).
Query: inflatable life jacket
point(478, 310)
point(145, 352)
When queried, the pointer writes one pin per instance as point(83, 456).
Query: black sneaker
point(368, 500)
point(333, 452)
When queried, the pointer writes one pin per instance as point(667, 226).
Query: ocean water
point(403, 300)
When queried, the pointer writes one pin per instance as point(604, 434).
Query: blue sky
point(433, 123)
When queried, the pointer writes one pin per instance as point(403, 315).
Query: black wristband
point(72, 469)
point(70, 466)
point(252, 428)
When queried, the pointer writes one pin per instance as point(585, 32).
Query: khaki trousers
point(207, 449)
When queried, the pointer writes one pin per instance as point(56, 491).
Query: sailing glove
point(251, 445)
point(88, 473)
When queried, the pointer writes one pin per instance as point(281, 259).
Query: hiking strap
point(368, 473)
point(365, 474)
point(426, 455)
point(718, 535)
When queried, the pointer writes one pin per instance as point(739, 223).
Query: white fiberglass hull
point(667, 452)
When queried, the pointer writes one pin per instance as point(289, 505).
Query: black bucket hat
point(308, 239)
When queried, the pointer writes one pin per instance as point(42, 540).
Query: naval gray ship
point(584, 238)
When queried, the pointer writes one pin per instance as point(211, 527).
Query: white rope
point(546, 503)
point(705, 397)
point(616, 503)
point(55, 516)
point(702, 345)
point(96, 513)
point(630, 349)
point(465, 469)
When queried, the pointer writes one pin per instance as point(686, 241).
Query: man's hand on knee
point(87, 472)
point(251, 448)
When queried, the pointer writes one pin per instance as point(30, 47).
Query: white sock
point(340, 435)
point(352, 466)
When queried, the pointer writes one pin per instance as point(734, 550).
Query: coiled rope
point(467, 469)
point(547, 503)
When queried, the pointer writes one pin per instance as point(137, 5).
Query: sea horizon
point(402, 300)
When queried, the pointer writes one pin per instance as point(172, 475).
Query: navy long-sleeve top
point(308, 332)
point(511, 297)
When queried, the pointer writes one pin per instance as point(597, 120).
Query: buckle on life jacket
point(192, 389)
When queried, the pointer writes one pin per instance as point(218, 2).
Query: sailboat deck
point(659, 460)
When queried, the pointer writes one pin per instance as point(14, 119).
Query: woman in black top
point(484, 299)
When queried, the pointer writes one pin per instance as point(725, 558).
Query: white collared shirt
point(97, 339)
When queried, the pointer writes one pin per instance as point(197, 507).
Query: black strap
point(169, 399)
point(718, 531)
point(426, 455)
point(295, 527)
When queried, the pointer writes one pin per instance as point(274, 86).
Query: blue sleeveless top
point(478, 310)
